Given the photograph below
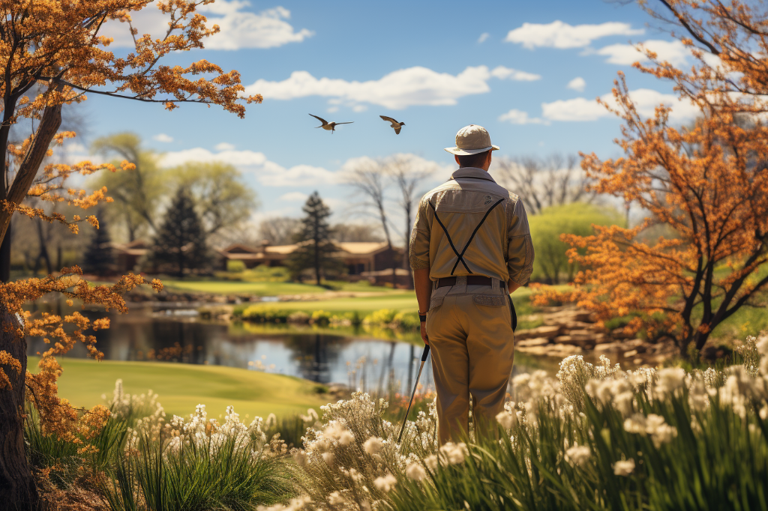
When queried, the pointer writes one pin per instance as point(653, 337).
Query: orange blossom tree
point(51, 55)
point(707, 183)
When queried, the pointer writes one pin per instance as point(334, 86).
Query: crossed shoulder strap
point(460, 256)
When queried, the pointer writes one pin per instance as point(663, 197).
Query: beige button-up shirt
point(472, 226)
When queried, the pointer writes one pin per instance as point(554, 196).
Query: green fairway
point(398, 300)
point(182, 386)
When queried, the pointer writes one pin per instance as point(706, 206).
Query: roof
point(362, 247)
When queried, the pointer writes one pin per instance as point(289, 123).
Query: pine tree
point(181, 240)
point(316, 250)
point(98, 256)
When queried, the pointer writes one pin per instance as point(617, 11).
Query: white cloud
point(239, 28)
point(162, 137)
point(267, 172)
point(577, 84)
point(626, 54)
point(506, 73)
point(397, 90)
point(224, 146)
point(646, 101)
point(294, 197)
point(519, 117)
point(562, 35)
point(483, 37)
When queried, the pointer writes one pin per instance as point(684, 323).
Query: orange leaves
point(704, 188)
point(7, 359)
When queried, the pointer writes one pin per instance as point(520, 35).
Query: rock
point(527, 343)
point(549, 332)
point(630, 353)
point(552, 350)
point(609, 347)
point(583, 336)
point(575, 341)
point(618, 333)
point(637, 361)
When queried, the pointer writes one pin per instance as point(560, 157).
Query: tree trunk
point(5, 257)
point(17, 485)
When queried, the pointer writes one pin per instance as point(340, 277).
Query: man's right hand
point(424, 336)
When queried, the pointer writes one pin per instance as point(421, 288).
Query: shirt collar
point(472, 173)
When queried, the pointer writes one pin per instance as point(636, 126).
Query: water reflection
point(350, 357)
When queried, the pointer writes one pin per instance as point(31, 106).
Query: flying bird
point(396, 125)
point(329, 126)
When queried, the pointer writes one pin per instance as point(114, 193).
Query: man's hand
point(424, 336)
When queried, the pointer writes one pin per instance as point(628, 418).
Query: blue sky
point(527, 71)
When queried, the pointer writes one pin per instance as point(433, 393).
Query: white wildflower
point(373, 445)
point(415, 471)
point(506, 419)
point(339, 432)
point(431, 462)
point(335, 499)
point(385, 483)
point(624, 468)
point(454, 453)
point(328, 458)
point(663, 434)
point(577, 455)
point(635, 424)
point(670, 380)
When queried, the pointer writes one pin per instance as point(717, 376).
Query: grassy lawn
point(182, 386)
point(398, 300)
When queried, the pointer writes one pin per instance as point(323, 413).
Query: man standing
point(470, 248)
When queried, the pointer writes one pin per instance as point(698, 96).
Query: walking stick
point(405, 419)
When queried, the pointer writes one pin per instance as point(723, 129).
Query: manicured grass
point(182, 386)
point(267, 288)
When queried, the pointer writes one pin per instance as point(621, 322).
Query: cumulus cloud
point(626, 54)
point(577, 84)
point(397, 90)
point(519, 117)
point(562, 35)
point(254, 163)
point(162, 137)
point(239, 28)
point(506, 73)
point(224, 146)
point(646, 101)
point(483, 37)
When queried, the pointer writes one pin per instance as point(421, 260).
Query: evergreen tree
point(98, 256)
point(181, 240)
point(316, 250)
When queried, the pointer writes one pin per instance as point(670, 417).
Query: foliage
point(221, 198)
point(139, 190)
point(98, 255)
point(577, 219)
point(381, 317)
point(706, 182)
point(316, 250)
point(235, 266)
point(181, 242)
point(321, 318)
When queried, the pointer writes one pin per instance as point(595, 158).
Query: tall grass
point(196, 477)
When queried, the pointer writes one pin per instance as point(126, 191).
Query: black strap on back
point(450, 241)
point(460, 256)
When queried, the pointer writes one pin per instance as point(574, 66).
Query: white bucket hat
point(472, 139)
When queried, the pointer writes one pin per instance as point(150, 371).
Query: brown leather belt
point(472, 280)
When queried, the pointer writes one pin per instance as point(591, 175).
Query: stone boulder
point(549, 332)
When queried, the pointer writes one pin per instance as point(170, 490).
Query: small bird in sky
point(329, 126)
point(396, 125)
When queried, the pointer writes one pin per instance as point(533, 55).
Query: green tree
point(139, 191)
point(180, 242)
point(315, 248)
point(98, 256)
point(551, 261)
point(221, 198)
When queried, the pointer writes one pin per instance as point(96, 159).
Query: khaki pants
point(472, 343)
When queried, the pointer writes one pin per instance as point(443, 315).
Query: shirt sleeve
point(519, 246)
point(418, 252)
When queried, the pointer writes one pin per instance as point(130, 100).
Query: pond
point(360, 359)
